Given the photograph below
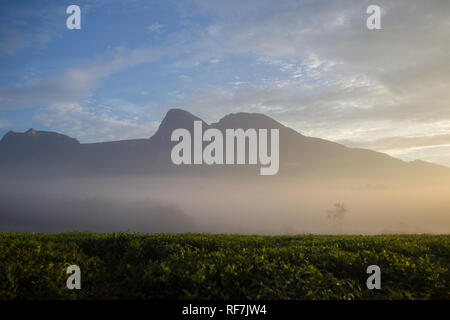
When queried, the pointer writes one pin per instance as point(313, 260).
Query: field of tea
point(206, 266)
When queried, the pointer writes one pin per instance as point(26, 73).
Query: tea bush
point(207, 266)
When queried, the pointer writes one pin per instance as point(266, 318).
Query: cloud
point(436, 154)
point(3, 123)
point(213, 30)
point(97, 123)
point(12, 41)
point(73, 84)
point(28, 26)
point(433, 148)
point(409, 71)
point(156, 27)
point(287, 100)
point(396, 143)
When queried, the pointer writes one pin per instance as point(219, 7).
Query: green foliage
point(204, 266)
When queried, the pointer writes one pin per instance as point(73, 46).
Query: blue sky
point(312, 65)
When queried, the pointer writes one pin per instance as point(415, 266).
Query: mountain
point(33, 143)
point(50, 154)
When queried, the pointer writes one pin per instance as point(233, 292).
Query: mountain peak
point(247, 120)
point(31, 132)
point(176, 112)
point(178, 118)
point(33, 137)
point(174, 119)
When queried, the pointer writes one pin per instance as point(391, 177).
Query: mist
point(262, 205)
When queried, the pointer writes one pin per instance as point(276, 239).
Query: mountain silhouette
point(50, 154)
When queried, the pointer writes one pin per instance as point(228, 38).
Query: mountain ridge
point(58, 154)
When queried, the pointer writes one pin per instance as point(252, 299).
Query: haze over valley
point(52, 183)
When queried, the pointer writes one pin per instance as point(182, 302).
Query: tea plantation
point(206, 266)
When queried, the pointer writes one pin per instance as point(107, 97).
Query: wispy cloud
point(387, 75)
point(22, 27)
point(96, 123)
point(156, 27)
point(401, 143)
point(73, 84)
point(12, 41)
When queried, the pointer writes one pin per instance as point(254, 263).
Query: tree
point(337, 214)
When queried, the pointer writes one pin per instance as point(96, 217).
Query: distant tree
point(337, 214)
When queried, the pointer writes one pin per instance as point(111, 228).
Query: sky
point(312, 65)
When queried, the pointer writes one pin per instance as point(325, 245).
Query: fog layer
point(263, 205)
